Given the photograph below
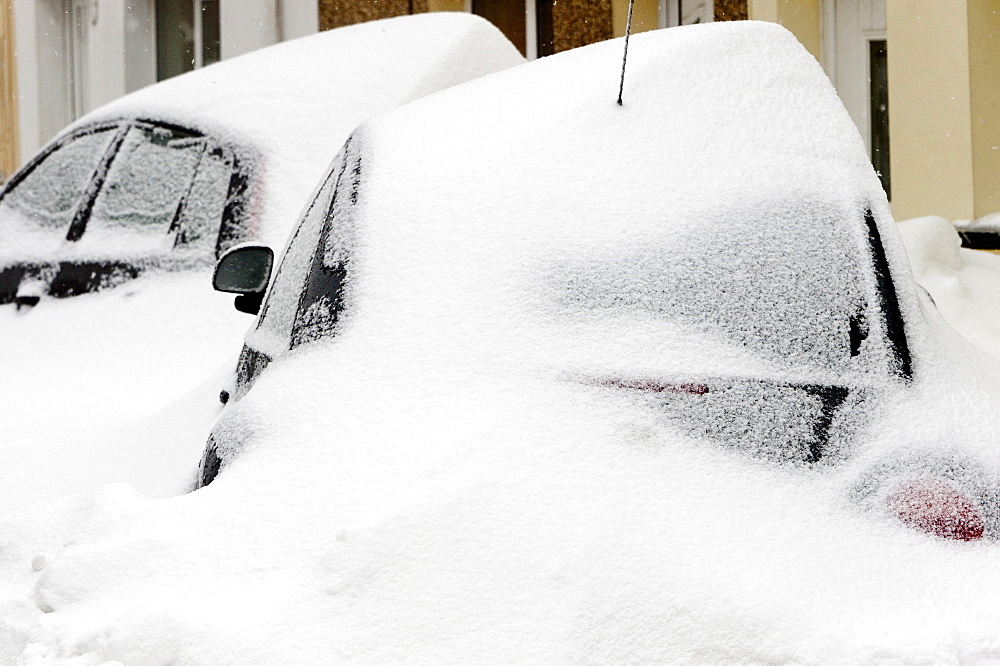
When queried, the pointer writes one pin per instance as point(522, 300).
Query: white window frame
point(847, 28)
point(669, 12)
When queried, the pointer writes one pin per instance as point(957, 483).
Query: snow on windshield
point(145, 188)
point(36, 212)
point(285, 110)
point(159, 188)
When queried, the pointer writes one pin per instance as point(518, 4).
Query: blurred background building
point(921, 78)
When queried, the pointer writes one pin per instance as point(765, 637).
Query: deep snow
point(458, 505)
point(82, 379)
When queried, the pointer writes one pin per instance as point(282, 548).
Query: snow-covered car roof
point(731, 157)
point(434, 478)
point(296, 102)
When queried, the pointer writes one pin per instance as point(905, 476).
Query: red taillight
point(936, 507)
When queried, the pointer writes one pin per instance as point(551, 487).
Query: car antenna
point(628, 31)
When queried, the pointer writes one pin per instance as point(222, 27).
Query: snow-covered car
point(554, 380)
point(771, 316)
point(171, 175)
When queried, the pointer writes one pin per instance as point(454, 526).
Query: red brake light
point(936, 507)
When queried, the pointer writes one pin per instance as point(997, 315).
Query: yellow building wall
point(801, 17)
point(9, 158)
point(445, 5)
point(984, 85)
point(645, 16)
point(929, 108)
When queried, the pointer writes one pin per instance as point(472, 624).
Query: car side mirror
point(245, 270)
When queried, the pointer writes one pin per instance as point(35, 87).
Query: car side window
point(47, 198)
point(144, 190)
point(274, 328)
point(323, 296)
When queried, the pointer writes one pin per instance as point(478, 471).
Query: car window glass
point(47, 198)
point(323, 297)
point(274, 328)
point(144, 188)
point(339, 237)
point(206, 201)
point(796, 294)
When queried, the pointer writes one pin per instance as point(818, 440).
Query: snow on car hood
point(434, 484)
point(296, 102)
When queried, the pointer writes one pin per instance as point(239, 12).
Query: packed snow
point(121, 385)
point(963, 283)
point(453, 477)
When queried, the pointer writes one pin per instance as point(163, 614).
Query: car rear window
point(792, 286)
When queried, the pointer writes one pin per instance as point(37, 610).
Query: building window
point(879, 82)
point(187, 36)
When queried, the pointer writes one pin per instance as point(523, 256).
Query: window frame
point(233, 225)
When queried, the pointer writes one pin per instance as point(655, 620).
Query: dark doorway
point(187, 36)
point(509, 16)
point(879, 77)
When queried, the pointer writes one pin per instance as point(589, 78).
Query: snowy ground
point(115, 386)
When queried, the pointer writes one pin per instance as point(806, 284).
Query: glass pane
point(322, 298)
point(211, 49)
point(174, 38)
point(274, 331)
point(878, 62)
point(509, 16)
point(48, 197)
point(786, 285)
point(144, 188)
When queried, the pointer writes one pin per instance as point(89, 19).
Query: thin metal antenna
point(628, 31)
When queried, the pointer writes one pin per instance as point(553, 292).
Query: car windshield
point(139, 204)
point(206, 200)
point(43, 203)
point(160, 188)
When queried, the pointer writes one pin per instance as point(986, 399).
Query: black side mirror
point(245, 270)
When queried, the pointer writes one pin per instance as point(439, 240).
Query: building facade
point(920, 78)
